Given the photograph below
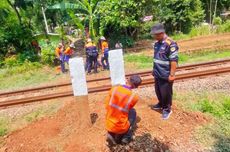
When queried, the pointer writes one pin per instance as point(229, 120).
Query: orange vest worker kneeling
point(121, 116)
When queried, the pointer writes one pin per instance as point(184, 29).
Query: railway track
point(107, 87)
point(142, 74)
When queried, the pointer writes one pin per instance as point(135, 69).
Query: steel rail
point(146, 73)
point(107, 87)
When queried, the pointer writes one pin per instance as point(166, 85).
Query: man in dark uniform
point(165, 64)
point(92, 55)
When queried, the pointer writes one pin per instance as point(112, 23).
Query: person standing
point(105, 53)
point(165, 64)
point(69, 52)
point(60, 58)
point(92, 55)
point(120, 112)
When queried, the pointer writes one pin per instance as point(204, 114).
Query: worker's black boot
point(111, 141)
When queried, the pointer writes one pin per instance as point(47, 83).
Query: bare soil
point(62, 132)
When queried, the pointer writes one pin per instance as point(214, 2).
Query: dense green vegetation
point(215, 104)
point(23, 21)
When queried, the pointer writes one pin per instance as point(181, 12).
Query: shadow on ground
point(222, 144)
point(144, 143)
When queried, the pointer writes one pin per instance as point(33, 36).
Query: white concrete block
point(117, 71)
point(78, 77)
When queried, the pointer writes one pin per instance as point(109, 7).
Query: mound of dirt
point(62, 132)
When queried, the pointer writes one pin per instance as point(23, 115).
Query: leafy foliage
point(180, 15)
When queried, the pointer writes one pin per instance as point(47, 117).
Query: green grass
point(141, 61)
point(27, 74)
point(216, 105)
point(3, 126)
point(41, 112)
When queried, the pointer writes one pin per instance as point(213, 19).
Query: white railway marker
point(117, 71)
point(78, 78)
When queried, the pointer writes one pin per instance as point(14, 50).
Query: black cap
point(135, 80)
point(157, 28)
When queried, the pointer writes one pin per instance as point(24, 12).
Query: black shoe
point(125, 141)
point(111, 141)
point(156, 107)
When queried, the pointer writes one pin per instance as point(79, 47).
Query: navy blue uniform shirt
point(164, 52)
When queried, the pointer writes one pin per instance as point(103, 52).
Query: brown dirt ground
point(62, 132)
point(211, 42)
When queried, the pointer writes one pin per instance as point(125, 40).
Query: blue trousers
point(62, 64)
point(129, 133)
point(105, 61)
point(92, 62)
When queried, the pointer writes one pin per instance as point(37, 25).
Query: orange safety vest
point(68, 51)
point(58, 52)
point(104, 46)
point(118, 104)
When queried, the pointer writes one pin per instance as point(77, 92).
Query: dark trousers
point(105, 61)
point(92, 62)
point(164, 92)
point(62, 64)
point(132, 120)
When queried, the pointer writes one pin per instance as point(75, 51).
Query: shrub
point(47, 57)
point(217, 21)
point(200, 30)
point(11, 61)
point(225, 27)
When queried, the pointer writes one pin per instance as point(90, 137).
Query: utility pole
point(215, 8)
point(210, 12)
point(44, 16)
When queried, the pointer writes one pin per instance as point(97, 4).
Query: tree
point(83, 13)
point(180, 15)
point(214, 8)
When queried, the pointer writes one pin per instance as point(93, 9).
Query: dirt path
point(62, 133)
point(205, 42)
point(210, 42)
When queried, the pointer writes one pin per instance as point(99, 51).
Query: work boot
point(125, 141)
point(166, 114)
point(111, 141)
point(156, 107)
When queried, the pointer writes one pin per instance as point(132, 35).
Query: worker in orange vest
point(60, 58)
point(121, 116)
point(69, 52)
point(105, 53)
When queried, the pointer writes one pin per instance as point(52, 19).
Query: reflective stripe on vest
point(126, 109)
point(161, 62)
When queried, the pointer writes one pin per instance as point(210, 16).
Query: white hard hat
point(89, 40)
point(72, 45)
point(102, 38)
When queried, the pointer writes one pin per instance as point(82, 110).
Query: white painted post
point(80, 91)
point(117, 71)
point(78, 77)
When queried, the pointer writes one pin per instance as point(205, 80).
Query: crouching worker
point(120, 112)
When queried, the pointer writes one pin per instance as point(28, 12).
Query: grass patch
point(217, 105)
point(3, 126)
point(41, 112)
point(142, 61)
point(203, 56)
point(27, 74)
